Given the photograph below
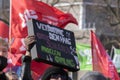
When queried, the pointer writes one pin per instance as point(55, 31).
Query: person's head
point(3, 48)
point(55, 73)
point(11, 75)
point(93, 75)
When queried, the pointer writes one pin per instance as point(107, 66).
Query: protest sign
point(116, 59)
point(54, 45)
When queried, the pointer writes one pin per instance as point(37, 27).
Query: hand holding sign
point(29, 42)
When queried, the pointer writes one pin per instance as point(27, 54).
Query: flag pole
point(10, 23)
point(9, 39)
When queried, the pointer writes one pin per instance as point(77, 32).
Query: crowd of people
point(52, 73)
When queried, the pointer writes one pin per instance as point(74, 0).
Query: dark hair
point(93, 75)
point(53, 70)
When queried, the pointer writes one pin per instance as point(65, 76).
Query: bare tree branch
point(55, 2)
point(115, 13)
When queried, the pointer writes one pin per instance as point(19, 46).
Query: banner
point(101, 60)
point(116, 58)
point(84, 56)
point(54, 45)
point(24, 10)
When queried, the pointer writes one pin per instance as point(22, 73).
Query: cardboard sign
point(54, 45)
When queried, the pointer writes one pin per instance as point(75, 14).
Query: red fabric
point(4, 30)
point(101, 60)
point(17, 46)
point(14, 59)
point(23, 10)
point(38, 68)
point(17, 49)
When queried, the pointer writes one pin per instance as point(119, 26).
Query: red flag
point(38, 68)
point(4, 31)
point(14, 59)
point(17, 46)
point(17, 49)
point(101, 60)
point(23, 10)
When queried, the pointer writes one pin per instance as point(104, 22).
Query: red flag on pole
point(23, 10)
point(101, 60)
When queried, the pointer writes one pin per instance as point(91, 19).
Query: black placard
point(54, 45)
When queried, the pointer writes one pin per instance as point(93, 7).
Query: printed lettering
point(28, 14)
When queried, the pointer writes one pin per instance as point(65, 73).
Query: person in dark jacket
point(3, 58)
point(26, 60)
